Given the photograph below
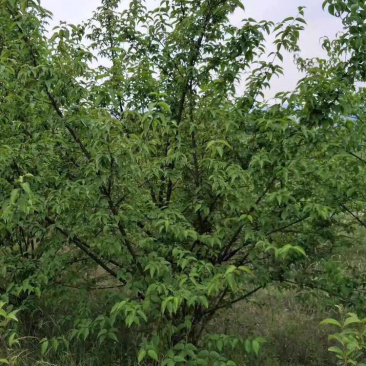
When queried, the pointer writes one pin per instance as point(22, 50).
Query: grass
point(290, 326)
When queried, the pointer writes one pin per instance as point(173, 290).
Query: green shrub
point(350, 348)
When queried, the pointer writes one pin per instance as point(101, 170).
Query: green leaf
point(55, 344)
point(14, 195)
point(153, 354)
point(112, 336)
point(231, 280)
point(255, 346)
point(299, 250)
point(12, 315)
point(44, 347)
point(220, 345)
point(240, 4)
point(26, 187)
point(331, 322)
point(351, 320)
point(142, 314)
point(164, 105)
point(3, 313)
point(141, 355)
point(230, 269)
point(12, 339)
point(335, 349)
point(246, 269)
point(204, 301)
point(301, 20)
point(248, 346)
point(179, 359)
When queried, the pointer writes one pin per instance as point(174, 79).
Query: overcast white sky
point(320, 24)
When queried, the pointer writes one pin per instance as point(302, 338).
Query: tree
point(151, 168)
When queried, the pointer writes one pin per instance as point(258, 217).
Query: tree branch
point(287, 226)
point(353, 215)
point(85, 248)
point(240, 228)
point(232, 302)
point(357, 157)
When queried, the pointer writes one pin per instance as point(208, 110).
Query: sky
point(319, 24)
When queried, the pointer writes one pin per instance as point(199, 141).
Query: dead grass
point(290, 326)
